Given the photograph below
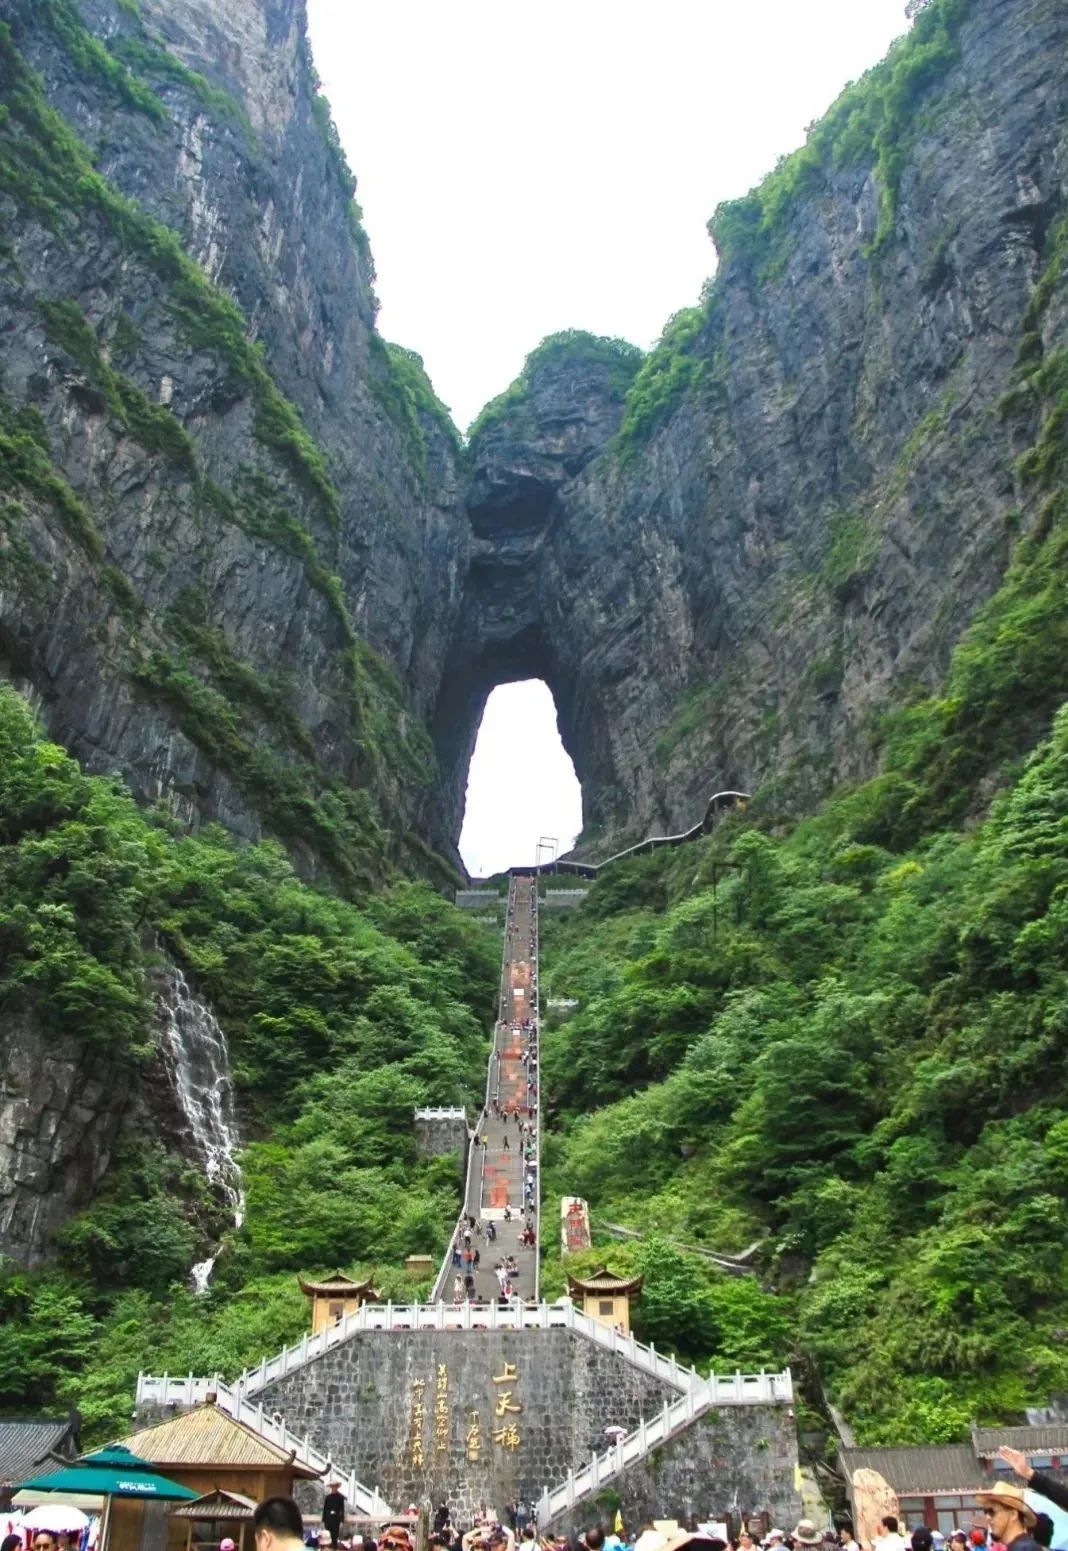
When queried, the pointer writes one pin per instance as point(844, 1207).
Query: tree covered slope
point(856, 1044)
point(341, 1019)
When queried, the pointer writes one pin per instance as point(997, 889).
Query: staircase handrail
point(736, 1389)
point(191, 1390)
point(476, 1157)
point(648, 1435)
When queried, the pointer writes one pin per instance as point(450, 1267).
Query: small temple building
point(228, 1462)
point(335, 1297)
point(606, 1297)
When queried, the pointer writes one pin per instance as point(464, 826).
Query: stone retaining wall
point(360, 1400)
point(356, 1401)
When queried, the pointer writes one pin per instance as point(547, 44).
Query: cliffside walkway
point(719, 804)
point(497, 1173)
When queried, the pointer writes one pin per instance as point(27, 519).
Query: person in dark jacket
point(333, 1513)
point(1046, 1486)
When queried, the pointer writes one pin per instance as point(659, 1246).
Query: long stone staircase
point(496, 1173)
point(496, 1191)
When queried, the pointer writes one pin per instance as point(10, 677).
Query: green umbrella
point(109, 1481)
point(110, 1473)
point(116, 1454)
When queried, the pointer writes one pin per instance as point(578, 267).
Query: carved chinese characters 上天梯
point(507, 1435)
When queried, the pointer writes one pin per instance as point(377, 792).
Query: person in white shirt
point(889, 1537)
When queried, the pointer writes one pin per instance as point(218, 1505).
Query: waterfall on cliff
point(197, 1061)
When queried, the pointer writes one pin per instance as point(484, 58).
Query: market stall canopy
point(88, 1502)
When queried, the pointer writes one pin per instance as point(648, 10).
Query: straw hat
point(677, 1538)
point(806, 1533)
point(1008, 1496)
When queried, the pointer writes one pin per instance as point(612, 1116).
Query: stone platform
point(484, 1404)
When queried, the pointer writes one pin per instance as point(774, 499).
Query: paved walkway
point(497, 1181)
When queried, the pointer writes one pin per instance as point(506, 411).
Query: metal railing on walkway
point(476, 1158)
point(718, 804)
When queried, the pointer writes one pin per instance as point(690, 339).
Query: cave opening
point(521, 783)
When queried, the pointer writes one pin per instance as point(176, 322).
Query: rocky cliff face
point(771, 554)
point(65, 1106)
point(229, 528)
point(58, 1124)
point(244, 564)
point(240, 561)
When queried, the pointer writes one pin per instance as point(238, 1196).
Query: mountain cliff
point(232, 525)
point(250, 573)
point(818, 475)
point(253, 570)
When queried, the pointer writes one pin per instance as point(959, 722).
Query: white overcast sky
point(532, 165)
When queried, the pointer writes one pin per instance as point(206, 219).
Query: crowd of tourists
point(1004, 1520)
point(1010, 1525)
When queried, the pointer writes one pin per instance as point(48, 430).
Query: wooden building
point(29, 1443)
point(605, 1296)
point(213, 1518)
point(335, 1297)
point(211, 1453)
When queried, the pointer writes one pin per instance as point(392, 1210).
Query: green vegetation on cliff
point(874, 124)
point(856, 1042)
point(288, 498)
point(617, 359)
point(340, 1021)
point(407, 395)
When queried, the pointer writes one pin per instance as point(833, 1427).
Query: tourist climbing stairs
point(499, 1226)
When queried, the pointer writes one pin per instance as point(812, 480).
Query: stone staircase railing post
point(594, 1478)
point(571, 1489)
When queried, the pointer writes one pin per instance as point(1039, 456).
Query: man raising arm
point(1037, 1480)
